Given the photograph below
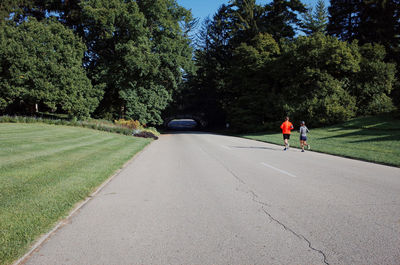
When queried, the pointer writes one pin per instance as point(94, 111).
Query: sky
point(202, 8)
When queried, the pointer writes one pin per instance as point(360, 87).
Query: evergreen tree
point(315, 20)
point(281, 18)
point(375, 21)
point(232, 68)
point(249, 106)
point(344, 18)
point(207, 86)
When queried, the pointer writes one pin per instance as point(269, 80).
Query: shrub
point(131, 124)
point(100, 125)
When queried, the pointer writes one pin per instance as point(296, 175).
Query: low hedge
point(101, 125)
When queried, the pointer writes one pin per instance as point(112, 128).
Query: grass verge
point(374, 139)
point(45, 170)
point(101, 125)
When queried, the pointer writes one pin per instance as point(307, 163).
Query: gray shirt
point(303, 130)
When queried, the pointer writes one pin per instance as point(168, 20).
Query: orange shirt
point(286, 127)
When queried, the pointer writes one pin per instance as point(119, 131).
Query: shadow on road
point(255, 147)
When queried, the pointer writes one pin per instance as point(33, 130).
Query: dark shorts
point(303, 138)
point(286, 136)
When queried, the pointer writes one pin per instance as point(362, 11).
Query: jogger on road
point(286, 127)
point(303, 136)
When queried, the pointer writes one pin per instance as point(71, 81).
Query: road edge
point(39, 242)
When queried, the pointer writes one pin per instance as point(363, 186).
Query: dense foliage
point(146, 53)
point(41, 63)
point(137, 53)
point(256, 76)
point(375, 21)
point(251, 66)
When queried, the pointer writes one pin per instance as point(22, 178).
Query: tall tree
point(41, 64)
point(249, 106)
point(139, 50)
point(212, 57)
point(374, 21)
point(281, 18)
point(315, 20)
point(235, 40)
point(374, 82)
point(312, 77)
point(344, 18)
point(245, 18)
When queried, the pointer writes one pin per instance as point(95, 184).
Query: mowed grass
point(375, 139)
point(45, 170)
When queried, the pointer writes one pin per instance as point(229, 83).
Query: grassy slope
point(375, 139)
point(45, 170)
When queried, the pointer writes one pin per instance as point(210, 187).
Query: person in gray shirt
point(303, 136)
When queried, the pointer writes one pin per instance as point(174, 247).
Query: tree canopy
point(250, 66)
point(255, 71)
point(137, 51)
point(41, 63)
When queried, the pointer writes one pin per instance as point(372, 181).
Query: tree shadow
point(375, 134)
point(255, 147)
point(380, 139)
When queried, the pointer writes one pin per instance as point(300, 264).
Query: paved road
point(196, 198)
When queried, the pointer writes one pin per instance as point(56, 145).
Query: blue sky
point(202, 8)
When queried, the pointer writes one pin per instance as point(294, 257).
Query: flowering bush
point(131, 124)
point(120, 126)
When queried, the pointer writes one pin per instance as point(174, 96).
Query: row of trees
point(133, 58)
point(252, 68)
point(108, 58)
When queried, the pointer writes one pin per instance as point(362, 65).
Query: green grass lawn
point(375, 139)
point(45, 170)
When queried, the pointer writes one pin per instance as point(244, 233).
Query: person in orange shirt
point(286, 127)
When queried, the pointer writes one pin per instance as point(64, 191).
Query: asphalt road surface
point(197, 198)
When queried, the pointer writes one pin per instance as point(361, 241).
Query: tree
point(315, 21)
point(41, 63)
point(248, 106)
point(231, 59)
point(139, 51)
point(118, 51)
point(374, 82)
point(205, 89)
point(374, 21)
point(280, 18)
point(344, 18)
point(312, 76)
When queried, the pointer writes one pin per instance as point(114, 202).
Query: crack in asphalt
point(296, 234)
point(286, 227)
point(257, 201)
point(254, 198)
